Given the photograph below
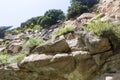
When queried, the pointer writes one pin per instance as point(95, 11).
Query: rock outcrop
point(59, 46)
point(58, 61)
point(76, 55)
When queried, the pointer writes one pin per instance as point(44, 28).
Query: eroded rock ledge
point(87, 57)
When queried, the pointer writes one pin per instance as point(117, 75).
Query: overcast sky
point(13, 12)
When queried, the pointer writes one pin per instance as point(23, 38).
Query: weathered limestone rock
point(72, 43)
point(86, 16)
point(55, 47)
point(70, 36)
point(111, 9)
point(13, 37)
point(101, 58)
point(48, 65)
point(2, 48)
point(14, 46)
point(96, 44)
point(85, 65)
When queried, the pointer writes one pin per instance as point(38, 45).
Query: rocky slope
point(74, 55)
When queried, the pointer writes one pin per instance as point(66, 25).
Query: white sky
point(13, 12)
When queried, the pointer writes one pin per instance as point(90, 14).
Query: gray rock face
point(82, 57)
point(14, 46)
point(96, 44)
point(13, 37)
point(58, 46)
point(54, 61)
point(58, 64)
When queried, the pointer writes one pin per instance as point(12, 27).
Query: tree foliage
point(80, 6)
point(3, 29)
point(51, 17)
point(31, 22)
point(88, 3)
point(75, 9)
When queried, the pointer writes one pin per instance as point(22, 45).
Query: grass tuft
point(63, 30)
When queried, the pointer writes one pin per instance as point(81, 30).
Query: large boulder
point(86, 67)
point(59, 46)
point(95, 44)
point(49, 66)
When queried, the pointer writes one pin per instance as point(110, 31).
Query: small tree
point(88, 3)
point(30, 23)
point(52, 17)
point(3, 29)
point(75, 9)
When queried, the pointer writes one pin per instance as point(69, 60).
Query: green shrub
point(29, 29)
point(30, 23)
point(16, 57)
point(117, 31)
point(88, 3)
point(36, 27)
point(3, 30)
point(76, 9)
point(16, 31)
point(4, 58)
point(80, 6)
point(52, 17)
point(63, 30)
point(98, 27)
point(30, 44)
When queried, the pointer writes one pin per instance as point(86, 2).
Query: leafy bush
point(80, 6)
point(63, 30)
point(11, 59)
point(30, 23)
point(117, 31)
point(98, 27)
point(52, 17)
point(76, 9)
point(36, 27)
point(30, 44)
point(88, 3)
point(4, 58)
point(16, 57)
point(3, 30)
